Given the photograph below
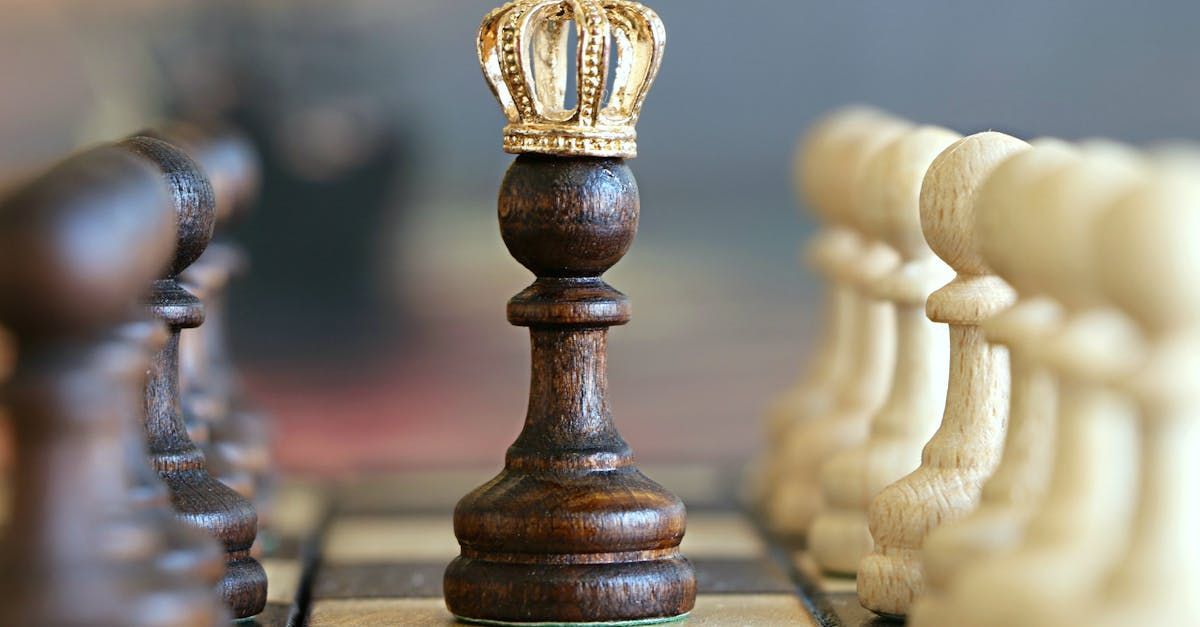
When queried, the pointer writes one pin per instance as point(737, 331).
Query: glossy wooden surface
point(570, 531)
point(78, 245)
point(198, 498)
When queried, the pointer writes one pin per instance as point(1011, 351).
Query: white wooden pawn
point(839, 537)
point(966, 447)
point(1083, 518)
point(814, 394)
point(796, 497)
point(1010, 494)
point(1152, 270)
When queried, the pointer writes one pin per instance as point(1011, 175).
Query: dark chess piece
point(570, 531)
point(236, 438)
point(77, 247)
point(188, 553)
point(198, 498)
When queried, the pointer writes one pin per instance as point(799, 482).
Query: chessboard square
point(275, 615)
point(749, 610)
point(722, 535)
point(380, 613)
point(740, 576)
point(829, 584)
point(283, 580)
point(412, 491)
point(364, 540)
point(846, 607)
point(297, 511)
point(407, 580)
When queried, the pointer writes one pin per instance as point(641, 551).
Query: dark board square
point(740, 576)
point(379, 581)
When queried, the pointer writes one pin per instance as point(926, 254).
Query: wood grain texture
point(795, 494)
point(570, 531)
point(187, 554)
point(814, 392)
point(1154, 229)
point(198, 498)
point(236, 437)
point(966, 447)
point(890, 188)
point(78, 244)
point(1005, 209)
point(1069, 542)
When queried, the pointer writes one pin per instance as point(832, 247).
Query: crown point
point(523, 52)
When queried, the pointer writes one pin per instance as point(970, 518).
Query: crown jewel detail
point(523, 48)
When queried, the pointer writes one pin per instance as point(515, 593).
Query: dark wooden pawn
point(236, 441)
point(77, 247)
point(570, 531)
point(188, 553)
point(199, 499)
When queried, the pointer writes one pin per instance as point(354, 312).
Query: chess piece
point(1077, 530)
point(814, 394)
point(77, 246)
point(188, 554)
point(795, 494)
point(891, 186)
point(1148, 244)
point(570, 530)
point(1006, 502)
point(964, 450)
point(237, 444)
point(198, 498)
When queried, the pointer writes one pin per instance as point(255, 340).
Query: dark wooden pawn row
point(233, 435)
point(115, 518)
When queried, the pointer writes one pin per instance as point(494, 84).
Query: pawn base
point(621, 623)
point(621, 593)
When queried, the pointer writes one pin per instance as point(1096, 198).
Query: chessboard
point(370, 551)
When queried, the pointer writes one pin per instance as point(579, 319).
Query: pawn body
point(570, 530)
point(840, 537)
point(78, 245)
point(966, 447)
point(196, 497)
point(1079, 526)
point(795, 497)
point(815, 395)
point(1004, 214)
point(1148, 243)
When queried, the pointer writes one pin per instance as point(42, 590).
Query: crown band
point(555, 140)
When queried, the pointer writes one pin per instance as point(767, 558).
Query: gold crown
point(523, 51)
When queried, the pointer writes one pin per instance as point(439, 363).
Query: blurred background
point(372, 324)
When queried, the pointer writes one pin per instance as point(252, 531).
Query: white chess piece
point(1151, 269)
point(813, 396)
point(794, 498)
point(964, 450)
point(890, 189)
point(1009, 495)
point(1078, 528)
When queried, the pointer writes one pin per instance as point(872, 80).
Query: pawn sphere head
point(948, 195)
point(890, 188)
point(812, 155)
point(1149, 260)
point(849, 204)
point(191, 193)
point(1007, 209)
point(80, 243)
point(833, 154)
point(1063, 210)
point(229, 160)
point(568, 217)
